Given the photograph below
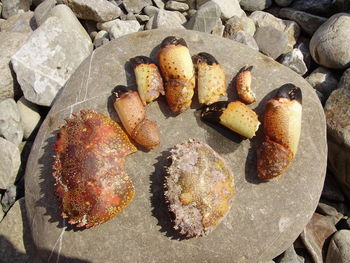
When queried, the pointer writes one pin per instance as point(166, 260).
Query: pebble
point(290, 256)
point(323, 80)
point(218, 29)
point(166, 19)
point(326, 209)
point(176, 6)
point(294, 60)
point(10, 161)
point(135, 6)
point(309, 23)
point(21, 23)
point(159, 3)
point(101, 38)
point(150, 10)
point(246, 39)
point(229, 9)
point(319, 7)
point(255, 5)
point(42, 11)
point(329, 44)
point(271, 42)
point(283, 3)
point(142, 18)
point(338, 249)
point(52, 53)
point(30, 117)
point(12, 193)
point(121, 28)
point(10, 121)
point(13, 7)
point(235, 24)
point(205, 18)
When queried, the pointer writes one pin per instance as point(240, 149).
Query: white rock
point(166, 19)
point(117, 28)
point(12, 7)
point(49, 57)
point(229, 8)
point(176, 6)
point(246, 39)
point(21, 22)
point(10, 160)
point(150, 10)
point(42, 11)
point(10, 121)
point(30, 116)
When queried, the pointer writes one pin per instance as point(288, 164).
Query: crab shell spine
point(243, 85)
point(211, 78)
point(177, 69)
point(282, 127)
point(132, 114)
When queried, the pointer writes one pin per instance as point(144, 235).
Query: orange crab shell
point(91, 184)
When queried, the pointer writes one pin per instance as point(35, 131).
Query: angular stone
point(146, 223)
point(319, 7)
point(121, 28)
point(309, 23)
point(294, 60)
point(235, 24)
point(150, 10)
point(290, 256)
point(142, 18)
point(323, 80)
point(30, 116)
point(101, 38)
point(97, 10)
point(205, 18)
point(181, 16)
point(229, 9)
point(255, 5)
point(283, 3)
point(329, 44)
point(246, 39)
point(10, 122)
point(12, 7)
point(42, 11)
point(22, 23)
point(166, 19)
point(338, 250)
point(10, 160)
point(159, 3)
point(315, 235)
point(218, 29)
point(176, 6)
point(10, 43)
point(135, 6)
point(52, 53)
point(329, 210)
point(271, 41)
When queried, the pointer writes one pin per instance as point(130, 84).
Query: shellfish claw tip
point(118, 91)
point(140, 60)
point(209, 59)
point(172, 40)
point(290, 91)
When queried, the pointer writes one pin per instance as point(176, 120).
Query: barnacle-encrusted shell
point(199, 187)
point(91, 184)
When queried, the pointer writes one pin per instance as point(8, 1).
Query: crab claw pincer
point(148, 78)
point(132, 114)
point(176, 66)
point(91, 184)
point(211, 78)
point(282, 126)
point(234, 115)
point(243, 85)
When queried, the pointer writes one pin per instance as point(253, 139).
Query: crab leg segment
point(148, 79)
point(211, 78)
point(282, 126)
point(132, 114)
point(243, 82)
point(235, 115)
point(177, 69)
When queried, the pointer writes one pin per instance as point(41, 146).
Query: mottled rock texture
point(10, 160)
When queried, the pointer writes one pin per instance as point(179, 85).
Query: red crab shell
point(91, 184)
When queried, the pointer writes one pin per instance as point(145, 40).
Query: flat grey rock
point(30, 116)
point(323, 80)
point(338, 250)
point(258, 227)
point(10, 160)
point(10, 121)
point(42, 11)
point(21, 23)
point(255, 5)
point(229, 9)
point(12, 7)
point(294, 60)
point(135, 6)
point(271, 42)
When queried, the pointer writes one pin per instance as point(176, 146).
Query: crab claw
point(132, 114)
point(234, 115)
point(176, 66)
point(211, 78)
point(282, 126)
point(243, 82)
point(148, 78)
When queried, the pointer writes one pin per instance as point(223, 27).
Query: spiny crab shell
point(91, 184)
point(199, 188)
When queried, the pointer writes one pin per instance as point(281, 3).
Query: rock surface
point(271, 41)
point(338, 250)
point(10, 160)
point(290, 256)
point(323, 80)
point(166, 19)
point(255, 5)
point(235, 24)
point(10, 121)
point(176, 6)
point(283, 3)
point(12, 7)
point(42, 11)
point(329, 44)
point(22, 23)
point(294, 60)
point(52, 53)
point(229, 8)
point(30, 116)
point(145, 222)
point(245, 38)
point(118, 28)
point(135, 6)
point(319, 7)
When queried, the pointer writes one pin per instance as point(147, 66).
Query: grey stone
point(338, 249)
point(130, 16)
point(12, 193)
point(330, 211)
point(283, 3)
point(146, 223)
point(97, 10)
point(271, 41)
point(246, 39)
point(10, 121)
point(338, 127)
point(2, 214)
point(294, 60)
point(218, 29)
point(290, 256)
point(235, 24)
point(323, 80)
point(181, 16)
point(328, 45)
point(309, 23)
point(30, 116)
point(319, 7)
point(142, 18)
point(150, 10)
point(303, 45)
point(52, 53)
point(159, 3)
point(176, 6)
point(101, 38)
point(117, 28)
point(229, 9)
point(205, 18)
point(22, 23)
point(135, 6)
point(149, 24)
point(255, 5)
point(166, 19)
point(315, 234)
point(13, 7)
point(0, 17)
point(10, 160)
point(42, 11)
point(10, 43)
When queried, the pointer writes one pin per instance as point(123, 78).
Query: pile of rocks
point(43, 42)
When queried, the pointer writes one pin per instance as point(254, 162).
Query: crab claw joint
point(234, 115)
point(132, 114)
point(282, 126)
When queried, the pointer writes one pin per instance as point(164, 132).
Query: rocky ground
point(310, 37)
